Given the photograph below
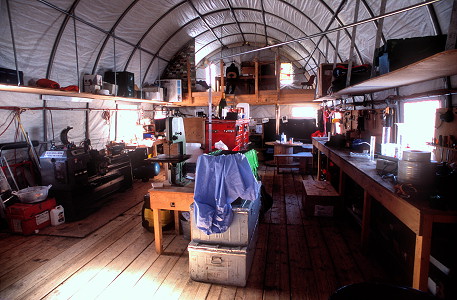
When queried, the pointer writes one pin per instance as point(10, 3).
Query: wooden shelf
point(436, 66)
point(52, 92)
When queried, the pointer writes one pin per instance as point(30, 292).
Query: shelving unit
point(52, 92)
point(436, 66)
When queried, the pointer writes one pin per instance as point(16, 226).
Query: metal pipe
point(392, 13)
point(13, 41)
point(77, 57)
point(351, 49)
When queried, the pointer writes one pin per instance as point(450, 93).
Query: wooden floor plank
point(25, 264)
point(302, 280)
point(48, 276)
point(120, 287)
point(322, 265)
point(276, 284)
point(177, 278)
point(151, 281)
point(292, 206)
point(296, 257)
point(114, 260)
point(346, 269)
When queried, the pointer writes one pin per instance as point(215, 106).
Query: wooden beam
point(264, 97)
point(189, 81)
point(222, 87)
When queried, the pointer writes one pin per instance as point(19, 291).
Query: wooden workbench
point(174, 198)
point(415, 214)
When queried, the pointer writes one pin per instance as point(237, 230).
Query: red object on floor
point(26, 218)
point(47, 83)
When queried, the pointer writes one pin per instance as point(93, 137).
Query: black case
point(124, 80)
point(9, 76)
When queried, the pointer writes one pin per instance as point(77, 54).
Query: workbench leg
point(422, 256)
point(176, 213)
point(366, 216)
point(341, 183)
point(157, 231)
point(319, 164)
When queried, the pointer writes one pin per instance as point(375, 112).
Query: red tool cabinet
point(234, 133)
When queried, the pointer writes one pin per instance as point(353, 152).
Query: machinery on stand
point(175, 155)
point(82, 177)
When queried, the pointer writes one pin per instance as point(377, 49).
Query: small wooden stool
point(320, 199)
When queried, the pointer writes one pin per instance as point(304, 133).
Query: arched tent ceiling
point(61, 39)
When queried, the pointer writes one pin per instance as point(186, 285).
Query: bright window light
point(303, 112)
point(419, 120)
point(286, 76)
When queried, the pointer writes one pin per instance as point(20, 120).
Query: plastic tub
point(33, 194)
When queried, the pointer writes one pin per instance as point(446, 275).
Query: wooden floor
point(295, 258)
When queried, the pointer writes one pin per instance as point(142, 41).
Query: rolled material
point(418, 173)
point(416, 155)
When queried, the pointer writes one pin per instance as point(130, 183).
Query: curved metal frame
point(70, 14)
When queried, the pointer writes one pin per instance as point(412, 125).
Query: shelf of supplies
point(52, 92)
point(436, 66)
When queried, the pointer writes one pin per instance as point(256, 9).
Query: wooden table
point(303, 159)
point(284, 148)
point(174, 198)
point(415, 214)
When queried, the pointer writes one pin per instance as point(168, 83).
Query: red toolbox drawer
point(25, 211)
point(26, 218)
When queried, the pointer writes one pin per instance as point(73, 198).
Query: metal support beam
point(351, 49)
point(392, 13)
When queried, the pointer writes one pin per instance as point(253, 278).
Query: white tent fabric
point(46, 32)
point(64, 39)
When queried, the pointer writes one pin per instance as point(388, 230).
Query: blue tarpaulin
point(219, 181)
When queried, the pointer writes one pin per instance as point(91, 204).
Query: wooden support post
point(189, 82)
point(256, 78)
point(422, 255)
point(157, 230)
point(341, 183)
point(222, 87)
point(366, 216)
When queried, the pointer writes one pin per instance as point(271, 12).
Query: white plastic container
point(57, 215)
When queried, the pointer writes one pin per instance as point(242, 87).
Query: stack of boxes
point(225, 258)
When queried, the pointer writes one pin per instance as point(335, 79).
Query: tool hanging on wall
point(34, 155)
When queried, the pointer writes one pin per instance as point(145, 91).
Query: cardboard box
point(321, 199)
point(92, 88)
point(94, 79)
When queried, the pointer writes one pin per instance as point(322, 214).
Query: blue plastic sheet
point(219, 181)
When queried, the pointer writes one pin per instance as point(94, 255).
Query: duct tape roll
point(418, 173)
point(416, 155)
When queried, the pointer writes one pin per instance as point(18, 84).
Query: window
point(419, 124)
point(303, 112)
point(287, 72)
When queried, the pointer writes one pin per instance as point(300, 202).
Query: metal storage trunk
point(245, 216)
point(221, 264)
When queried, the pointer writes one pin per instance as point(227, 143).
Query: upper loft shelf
point(52, 92)
point(439, 65)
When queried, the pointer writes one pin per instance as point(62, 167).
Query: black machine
point(81, 177)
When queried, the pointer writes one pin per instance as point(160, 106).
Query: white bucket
point(57, 215)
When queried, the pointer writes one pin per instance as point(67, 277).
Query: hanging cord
point(13, 114)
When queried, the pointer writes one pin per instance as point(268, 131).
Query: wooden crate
point(320, 199)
